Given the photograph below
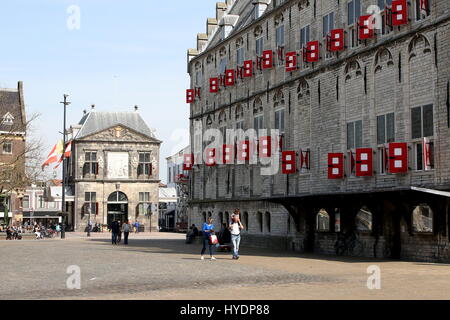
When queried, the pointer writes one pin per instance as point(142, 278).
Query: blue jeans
point(205, 245)
point(236, 240)
point(114, 238)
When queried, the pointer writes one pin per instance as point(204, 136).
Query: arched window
point(245, 220)
point(258, 115)
point(117, 197)
point(278, 104)
point(223, 124)
point(423, 219)
point(259, 217)
point(363, 220)
point(204, 216)
point(221, 218)
point(323, 221)
point(239, 116)
point(227, 218)
point(268, 222)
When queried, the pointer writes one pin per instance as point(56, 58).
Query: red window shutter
point(364, 162)
point(265, 147)
point(248, 69)
point(188, 162)
point(336, 40)
point(230, 77)
point(291, 61)
point(211, 160)
point(267, 59)
point(96, 168)
point(214, 85)
point(190, 94)
point(366, 27)
point(311, 53)
point(305, 159)
point(96, 208)
point(399, 12)
point(289, 162)
point(398, 157)
point(428, 153)
point(228, 154)
point(281, 143)
point(243, 151)
point(335, 166)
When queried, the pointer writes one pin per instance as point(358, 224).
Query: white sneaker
point(202, 258)
point(212, 258)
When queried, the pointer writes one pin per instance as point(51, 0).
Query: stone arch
point(352, 70)
point(210, 59)
point(258, 31)
point(303, 89)
point(279, 19)
point(239, 112)
point(364, 219)
point(278, 99)
point(239, 42)
point(209, 121)
point(258, 105)
point(222, 117)
point(222, 52)
point(419, 41)
point(383, 57)
point(323, 221)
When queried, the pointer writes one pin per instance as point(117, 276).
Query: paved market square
point(162, 266)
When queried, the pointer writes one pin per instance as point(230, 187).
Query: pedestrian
point(119, 232)
point(114, 231)
point(208, 230)
point(136, 226)
point(235, 229)
point(58, 229)
point(126, 231)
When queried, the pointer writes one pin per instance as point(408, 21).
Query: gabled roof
point(11, 103)
point(95, 122)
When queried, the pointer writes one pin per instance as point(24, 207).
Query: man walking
point(136, 226)
point(115, 231)
point(126, 231)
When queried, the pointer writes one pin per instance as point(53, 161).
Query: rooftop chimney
point(136, 108)
point(84, 111)
point(93, 107)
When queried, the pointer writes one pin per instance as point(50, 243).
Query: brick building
point(361, 100)
point(13, 126)
point(113, 170)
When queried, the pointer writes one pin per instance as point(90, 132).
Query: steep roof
point(11, 101)
point(95, 122)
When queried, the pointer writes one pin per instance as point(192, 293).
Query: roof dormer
point(8, 119)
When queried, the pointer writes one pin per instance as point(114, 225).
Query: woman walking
point(208, 230)
point(126, 227)
point(235, 229)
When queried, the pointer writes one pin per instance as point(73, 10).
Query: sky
point(124, 53)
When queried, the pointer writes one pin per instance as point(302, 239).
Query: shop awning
point(432, 191)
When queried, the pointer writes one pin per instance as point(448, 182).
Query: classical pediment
point(119, 133)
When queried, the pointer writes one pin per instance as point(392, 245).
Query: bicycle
point(349, 245)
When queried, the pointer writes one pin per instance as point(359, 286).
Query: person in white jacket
point(126, 228)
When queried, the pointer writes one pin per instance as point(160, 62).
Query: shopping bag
point(213, 239)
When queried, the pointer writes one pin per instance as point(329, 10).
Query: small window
point(240, 56)
point(258, 123)
point(422, 9)
point(354, 135)
point(144, 166)
point(422, 122)
point(259, 46)
point(26, 202)
point(328, 24)
point(260, 221)
point(280, 36)
point(323, 221)
point(353, 11)
point(304, 36)
point(386, 128)
point(198, 79)
point(364, 220)
point(91, 164)
point(7, 147)
point(223, 65)
point(90, 199)
point(279, 120)
point(423, 219)
point(245, 219)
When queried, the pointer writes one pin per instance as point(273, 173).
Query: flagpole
point(63, 226)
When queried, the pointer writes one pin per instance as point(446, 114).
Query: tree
point(22, 166)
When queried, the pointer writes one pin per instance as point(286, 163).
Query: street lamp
point(63, 227)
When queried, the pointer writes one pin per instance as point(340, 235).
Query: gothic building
point(359, 93)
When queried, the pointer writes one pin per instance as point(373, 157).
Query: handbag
point(213, 239)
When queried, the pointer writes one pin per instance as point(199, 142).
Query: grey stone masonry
point(399, 69)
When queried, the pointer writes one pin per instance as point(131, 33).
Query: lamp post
point(63, 226)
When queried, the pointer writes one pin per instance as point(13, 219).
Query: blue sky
point(125, 53)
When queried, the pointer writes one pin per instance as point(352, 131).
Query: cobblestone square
point(162, 266)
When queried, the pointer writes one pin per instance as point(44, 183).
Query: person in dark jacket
point(115, 229)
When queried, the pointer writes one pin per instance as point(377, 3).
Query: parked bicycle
point(349, 244)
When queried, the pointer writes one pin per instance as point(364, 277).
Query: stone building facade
point(114, 170)
point(13, 127)
point(364, 130)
